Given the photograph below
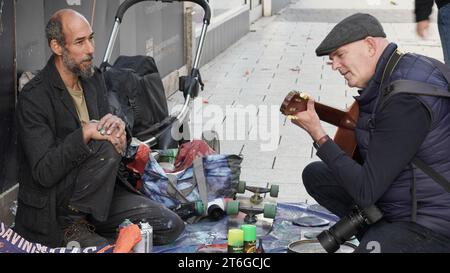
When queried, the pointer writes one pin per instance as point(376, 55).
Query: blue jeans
point(383, 236)
point(444, 31)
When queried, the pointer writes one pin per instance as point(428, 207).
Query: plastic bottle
point(249, 238)
point(146, 244)
point(235, 241)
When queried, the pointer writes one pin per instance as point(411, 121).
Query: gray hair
point(54, 31)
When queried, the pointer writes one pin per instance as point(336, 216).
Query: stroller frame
point(190, 86)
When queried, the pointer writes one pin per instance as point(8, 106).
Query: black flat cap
point(353, 28)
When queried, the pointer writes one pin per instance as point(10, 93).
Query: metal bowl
point(313, 246)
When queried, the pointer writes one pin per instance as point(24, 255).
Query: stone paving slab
point(268, 175)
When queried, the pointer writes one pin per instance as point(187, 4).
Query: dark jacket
point(433, 201)
point(389, 139)
point(51, 148)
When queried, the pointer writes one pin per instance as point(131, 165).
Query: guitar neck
point(334, 116)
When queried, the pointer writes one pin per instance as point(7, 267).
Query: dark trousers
point(96, 192)
point(383, 236)
point(166, 224)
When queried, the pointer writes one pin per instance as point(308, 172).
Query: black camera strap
point(417, 88)
point(413, 196)
point(432, 173)
point(421, 88)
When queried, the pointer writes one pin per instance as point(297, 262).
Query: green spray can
point(249, 238)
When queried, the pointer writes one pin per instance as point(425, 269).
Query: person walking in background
point(423, 9)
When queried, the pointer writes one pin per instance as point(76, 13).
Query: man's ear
point(372, 45)
point(56, 47)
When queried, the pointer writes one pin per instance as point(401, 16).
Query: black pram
point(136, 92)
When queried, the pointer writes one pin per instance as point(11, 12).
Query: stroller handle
point(127, 4)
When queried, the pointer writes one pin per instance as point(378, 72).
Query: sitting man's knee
point(310, 172)
point(175, 226)
point(177, 229)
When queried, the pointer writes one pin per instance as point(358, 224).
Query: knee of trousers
point(174, 229)
point(167, 225)
point(310, 176)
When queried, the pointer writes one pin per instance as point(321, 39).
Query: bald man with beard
point(71, 148)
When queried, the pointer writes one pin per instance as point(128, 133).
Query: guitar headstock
point(294, 102)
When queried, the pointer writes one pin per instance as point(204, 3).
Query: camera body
point(347, 227)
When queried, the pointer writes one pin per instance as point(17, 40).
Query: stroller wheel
point(212, 139)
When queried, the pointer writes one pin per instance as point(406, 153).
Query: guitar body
point(345, 120)
point(344, 137)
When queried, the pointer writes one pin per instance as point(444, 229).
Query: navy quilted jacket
point(432, 200)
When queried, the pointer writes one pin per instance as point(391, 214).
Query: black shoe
point(81, 234)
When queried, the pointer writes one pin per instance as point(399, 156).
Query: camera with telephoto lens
point(347, 227)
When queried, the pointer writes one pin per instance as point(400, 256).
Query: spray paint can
point(249, 238)
point(146, 243)
point(235, 241)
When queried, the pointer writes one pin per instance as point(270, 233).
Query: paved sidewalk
point(278, 56)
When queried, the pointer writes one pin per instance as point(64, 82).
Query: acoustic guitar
point(345, 120)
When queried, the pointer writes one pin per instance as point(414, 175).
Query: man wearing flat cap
point(403, 140)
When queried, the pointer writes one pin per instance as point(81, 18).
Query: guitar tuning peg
point(304, 96)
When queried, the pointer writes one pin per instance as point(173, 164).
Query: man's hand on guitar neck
point(310, 122)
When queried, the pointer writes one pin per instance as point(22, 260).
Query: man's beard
point(76, 68)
